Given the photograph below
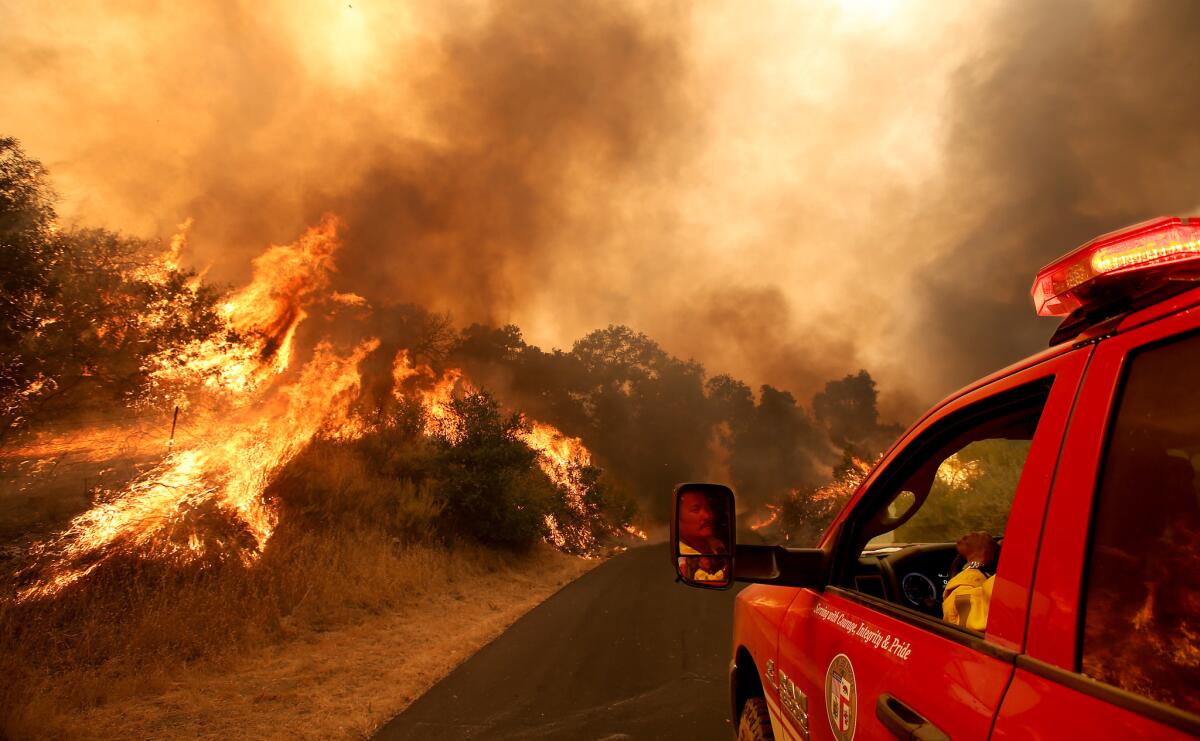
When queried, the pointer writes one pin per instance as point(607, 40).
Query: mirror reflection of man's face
point(695, 519)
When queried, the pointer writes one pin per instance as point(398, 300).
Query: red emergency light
point(1079, 278)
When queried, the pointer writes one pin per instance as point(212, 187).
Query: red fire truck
point(1082, 463)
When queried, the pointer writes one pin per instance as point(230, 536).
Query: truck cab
point(1082, 463)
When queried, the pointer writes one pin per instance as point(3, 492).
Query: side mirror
point(702, 535)
point(703, 528)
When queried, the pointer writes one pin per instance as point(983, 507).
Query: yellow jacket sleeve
point(966, 599)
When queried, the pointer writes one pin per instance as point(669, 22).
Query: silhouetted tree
point(847, 408)
point(651, 418)
point(647, 411)
point(80, 311)
point(487, 476)
point(29, 254)
point(730, 401)
point(781, 449)
point(28, 251)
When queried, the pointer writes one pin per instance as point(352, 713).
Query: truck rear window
point(1141, 629)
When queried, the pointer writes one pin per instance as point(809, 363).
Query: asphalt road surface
point(621, 653)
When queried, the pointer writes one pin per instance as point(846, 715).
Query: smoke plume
point(1073, 125)
point(788, 193)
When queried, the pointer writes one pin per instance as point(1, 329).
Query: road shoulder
point(343, 683)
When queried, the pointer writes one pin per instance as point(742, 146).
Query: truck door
point(871, 651)
point(1114, 640)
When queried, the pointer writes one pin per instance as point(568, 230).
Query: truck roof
point(1171, 304)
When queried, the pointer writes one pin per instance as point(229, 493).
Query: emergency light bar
point(1070, 282)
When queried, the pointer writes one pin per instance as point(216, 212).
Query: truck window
point(958, 477)
point(966, 485)
point(972, 491)
point(1141, 624)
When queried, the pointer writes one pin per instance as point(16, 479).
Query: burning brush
point(253, 407)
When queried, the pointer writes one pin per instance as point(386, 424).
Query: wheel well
point(745, 683)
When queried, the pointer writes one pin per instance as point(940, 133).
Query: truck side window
point(972, 490)
point(968, 482)
point(1141, 624)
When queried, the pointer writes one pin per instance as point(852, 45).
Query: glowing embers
point(635, 532)
point(1071, 282)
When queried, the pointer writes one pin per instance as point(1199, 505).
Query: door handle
point(904, 722)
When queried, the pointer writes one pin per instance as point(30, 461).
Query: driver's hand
point(979, 547)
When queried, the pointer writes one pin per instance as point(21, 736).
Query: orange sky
point(788, 191)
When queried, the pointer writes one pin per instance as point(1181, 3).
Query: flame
point(162, 514)
point(807, 507)
point(846, 484)
point(561, 457)
point(253, 411)
point(205, 498)
point(160, 268)
point(261, 318)
point(435, 399)
point(635, 532)
point(772, 517)
point(958, 474)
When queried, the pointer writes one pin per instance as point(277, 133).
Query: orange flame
point(156, 516)
point(205, 498)
point(846, 485)
point(771, 518)
point(261, 319)
point(160, 268)
point(560, 457)
point(436, 398)
point(635, 532)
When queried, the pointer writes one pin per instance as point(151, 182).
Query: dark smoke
point(538, 110)
point(654, 420)
point(1081, 120)
point(786, 195)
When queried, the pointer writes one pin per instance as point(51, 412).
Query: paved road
point(621, 653)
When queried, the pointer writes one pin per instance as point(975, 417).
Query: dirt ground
point(338, 684)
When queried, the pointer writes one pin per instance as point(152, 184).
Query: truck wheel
point(755, 723)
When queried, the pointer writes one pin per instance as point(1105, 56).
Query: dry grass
point(49, 477)
point(352, 611)
point(377, 623)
